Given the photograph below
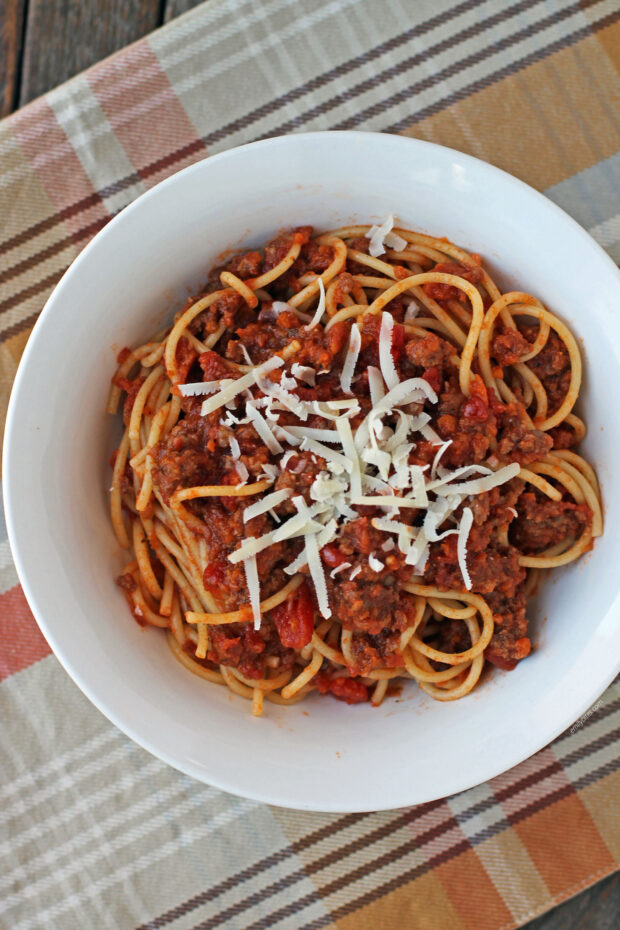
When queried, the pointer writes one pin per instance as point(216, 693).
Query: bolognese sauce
point(348, 460)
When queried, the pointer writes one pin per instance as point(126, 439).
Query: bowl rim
point(462, 783)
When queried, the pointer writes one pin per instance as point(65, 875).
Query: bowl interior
point(319, 754)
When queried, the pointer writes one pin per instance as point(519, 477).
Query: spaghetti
point(348, 462)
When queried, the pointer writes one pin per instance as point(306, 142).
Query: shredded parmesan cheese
point(386, 359)
point(304, 373)
point(307, 432)
point(480, 485)
point(438, 456)
point(200, 387)
point(251, 576)
point(288, 400)
point(265, 504)
point(353, 351)
point(339, 568)
point(242, 471)
point(348, 447)
point(263, 429)
point(246, 354)
point(375, 383)
point(381, 236)
point(325, 452)
point(236, 387)
point(461, 544)
point(411, 312)
point(320, 309)
point(384, 500)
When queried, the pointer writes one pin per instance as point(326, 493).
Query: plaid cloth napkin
point(97, 834)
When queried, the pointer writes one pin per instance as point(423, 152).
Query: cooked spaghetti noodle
point(346, 463)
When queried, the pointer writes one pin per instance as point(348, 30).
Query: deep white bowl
point(320, 754)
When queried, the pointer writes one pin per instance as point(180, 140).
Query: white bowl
point(320, 754)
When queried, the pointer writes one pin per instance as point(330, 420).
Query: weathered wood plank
point(176, 7)
point(11, 37)
point(63, 37)
point(596, 908)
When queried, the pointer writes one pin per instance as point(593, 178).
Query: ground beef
point(298, 476)
point(214, 367)
point(469, 422)
point(369, 353)
point(551, 365)
point(277, 249)
point(494, 571)
point(428, 351)
point(372, 601)
point(563, 437)
point(239, 645)
point(191, 455)
point(229, 309)
point(127, 582)
point(473, 274)
point(518, 442)
point(451, 636)
point(264, 339)
point(182, 459)
point(361, 244)
point(493, 513)
point(223, 530)
point(510, 641)
point(369, 606)
point(381, 650)
point(508, 347)
point(492, 567)
point(344, 286)
point(314, 258)
point(543, 523)
point(131, 387)
point(246, 265)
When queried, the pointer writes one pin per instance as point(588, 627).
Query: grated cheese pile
point(368, 466)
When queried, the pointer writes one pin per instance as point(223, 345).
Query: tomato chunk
point(398, 342)
point(348, 689)
point(294, 619)
point(433, 377)
point(232, 478)
point(214, 575)
point(477, 406)
point(185, 358)
point(332, 556)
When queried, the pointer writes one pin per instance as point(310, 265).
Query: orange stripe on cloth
point(565, 846)
point(422, 904)
point(606, 815)
point(472, 893)
point(21, 641)
point(145, 112)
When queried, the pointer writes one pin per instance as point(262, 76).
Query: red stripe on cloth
point(21, 641)
point(148, 119)
point(53, 159)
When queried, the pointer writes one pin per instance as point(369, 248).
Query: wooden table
point(45, 42)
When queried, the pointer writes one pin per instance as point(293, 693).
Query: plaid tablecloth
point(94, 832)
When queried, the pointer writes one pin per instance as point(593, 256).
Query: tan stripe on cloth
point(95, 833)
